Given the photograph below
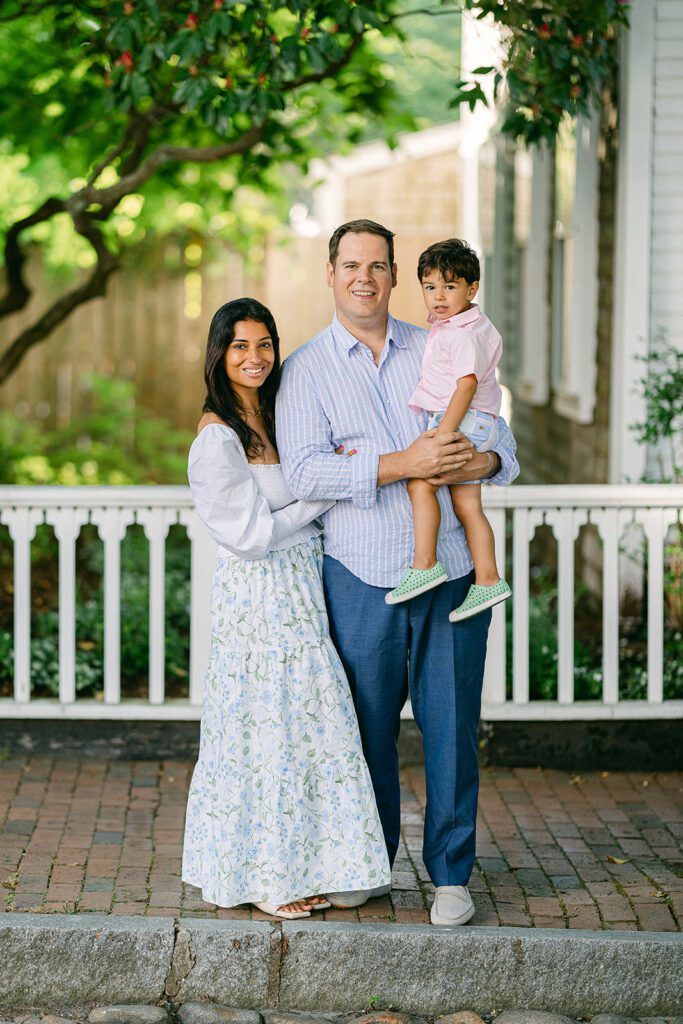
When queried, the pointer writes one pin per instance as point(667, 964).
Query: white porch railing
point(113, 509)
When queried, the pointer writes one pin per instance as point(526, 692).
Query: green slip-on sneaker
point(479, 598)
point(417, 581)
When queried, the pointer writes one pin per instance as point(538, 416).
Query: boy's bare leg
point(466, 500)
point(426, 522)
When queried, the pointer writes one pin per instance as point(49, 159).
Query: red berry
point(577, 42)
point(218, 5)
point(128, 8)
point(305, 33)
point(191, 22)
point(126, 61)
point(545, 31)
point(274, 39)
point(575, 91)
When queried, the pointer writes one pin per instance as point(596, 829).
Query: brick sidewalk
point(554, 850)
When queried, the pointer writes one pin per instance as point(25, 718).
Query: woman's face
point(249, 357)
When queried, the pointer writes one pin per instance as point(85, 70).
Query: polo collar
point(468, 316)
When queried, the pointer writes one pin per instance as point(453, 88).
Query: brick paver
point(554, 850)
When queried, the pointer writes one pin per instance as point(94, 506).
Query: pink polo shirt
point(465, 343)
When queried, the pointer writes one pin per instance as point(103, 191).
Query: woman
point(281, 808)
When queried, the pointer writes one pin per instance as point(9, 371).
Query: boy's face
point(443, 298)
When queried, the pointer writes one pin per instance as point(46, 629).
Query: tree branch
point(108, 198)
point(107, 159)
point(331, 69)
point(136, 135)
point(18, 292)
point(85, 225)
point(430, 11)
point(95, 286)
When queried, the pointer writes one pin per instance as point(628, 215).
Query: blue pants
point(382, 648)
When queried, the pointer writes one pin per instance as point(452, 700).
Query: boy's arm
point(459, 404)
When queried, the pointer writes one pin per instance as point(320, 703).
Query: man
point(350, 387)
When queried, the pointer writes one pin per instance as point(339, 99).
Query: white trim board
point(633, 238)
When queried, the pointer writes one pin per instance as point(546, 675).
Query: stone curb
point(87, 959)
point(83, 958)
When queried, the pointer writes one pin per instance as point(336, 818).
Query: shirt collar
point(347, 341)
point(468, 316)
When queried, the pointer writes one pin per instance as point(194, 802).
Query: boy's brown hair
point(452, 258)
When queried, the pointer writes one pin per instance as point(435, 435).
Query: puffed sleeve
point(228, 501)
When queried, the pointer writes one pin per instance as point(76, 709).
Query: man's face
point(362, 279)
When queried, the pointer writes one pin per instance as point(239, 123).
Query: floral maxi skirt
point(281, 804)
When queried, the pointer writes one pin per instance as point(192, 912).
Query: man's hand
point(436, 453)
point(481, 466)
point(431, 455)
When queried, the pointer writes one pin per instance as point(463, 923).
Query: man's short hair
point(452, 258)
point(359, 227)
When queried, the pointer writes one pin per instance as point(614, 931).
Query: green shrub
point(588, 678)
point(118, 443)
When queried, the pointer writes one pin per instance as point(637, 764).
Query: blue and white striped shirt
point(333, 393)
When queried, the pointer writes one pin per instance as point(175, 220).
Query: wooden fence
point(152, 325)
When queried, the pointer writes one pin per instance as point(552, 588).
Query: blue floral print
point(281, 804)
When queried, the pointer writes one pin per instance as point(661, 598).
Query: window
point(532, 232)
point(575, 268)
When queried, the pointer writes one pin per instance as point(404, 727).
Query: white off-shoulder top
point(247, 508)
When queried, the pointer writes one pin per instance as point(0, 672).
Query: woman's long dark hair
point(220, 397)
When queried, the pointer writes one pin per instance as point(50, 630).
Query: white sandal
point(276, 911)
point(323, 905)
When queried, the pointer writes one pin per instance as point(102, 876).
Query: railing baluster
point(156, 523)
point(655, 522)
point(22, 523)
point(203, 565)
point(524, 522)
point(67, 523)
point(653, 526)
point(111, 525)
point(520, 610)
point(566, 524)
point(607, 521)
point(494, 672)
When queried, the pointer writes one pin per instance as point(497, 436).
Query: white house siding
point(666, 310)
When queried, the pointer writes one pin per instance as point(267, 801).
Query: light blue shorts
point(481, 428)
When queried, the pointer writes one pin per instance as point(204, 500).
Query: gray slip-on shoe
point(357, 897)
point(452, 905)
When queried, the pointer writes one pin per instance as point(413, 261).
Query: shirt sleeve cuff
point(509, 469)
point(364, 469)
